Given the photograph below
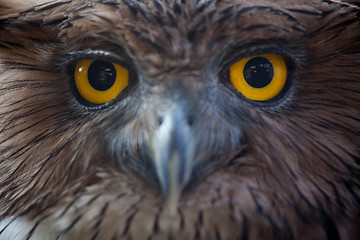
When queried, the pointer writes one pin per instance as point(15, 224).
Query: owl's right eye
point(259, 78)
point(99, 82)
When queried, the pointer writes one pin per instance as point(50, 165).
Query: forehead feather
point(182, 28)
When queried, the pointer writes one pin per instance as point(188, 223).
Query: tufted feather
point(287, 169)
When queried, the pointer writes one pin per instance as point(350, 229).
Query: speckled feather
point(279, 171)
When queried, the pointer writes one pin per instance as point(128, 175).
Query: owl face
point(179, 120)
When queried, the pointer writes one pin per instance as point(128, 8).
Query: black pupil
point(101, 75)
point(258, 72)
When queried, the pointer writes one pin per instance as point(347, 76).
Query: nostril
point(176, 116)
point(191, 120)
point(160, 120)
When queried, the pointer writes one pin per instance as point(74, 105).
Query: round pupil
point(258, 72)
point(101, 75)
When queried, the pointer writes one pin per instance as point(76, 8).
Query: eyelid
point(73, 57)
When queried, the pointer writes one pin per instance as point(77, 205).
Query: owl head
point(184, 119)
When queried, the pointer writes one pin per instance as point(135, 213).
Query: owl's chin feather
point(19, 4)
point(19, 229)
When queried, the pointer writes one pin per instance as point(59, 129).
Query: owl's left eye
point(99, 82)
point(259, 78)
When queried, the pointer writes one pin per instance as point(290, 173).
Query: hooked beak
point(173, 153)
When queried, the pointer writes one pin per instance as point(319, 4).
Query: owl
point(179, 119)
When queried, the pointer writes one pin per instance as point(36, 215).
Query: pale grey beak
point(173, 153)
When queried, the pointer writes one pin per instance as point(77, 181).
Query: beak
point(173, 153)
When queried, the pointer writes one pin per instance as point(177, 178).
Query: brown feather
point(284, 170)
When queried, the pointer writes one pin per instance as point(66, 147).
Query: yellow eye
point(99, 82)
point(259, 78)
